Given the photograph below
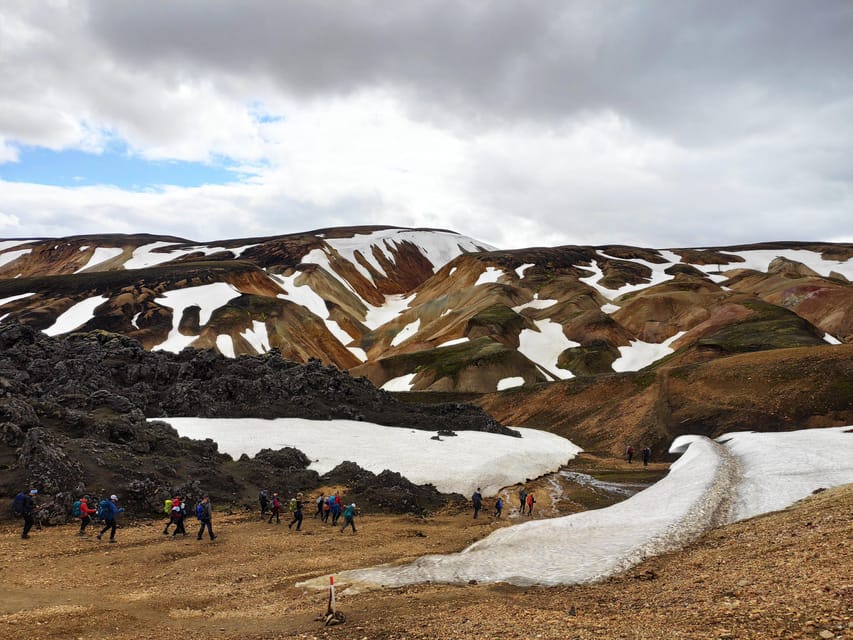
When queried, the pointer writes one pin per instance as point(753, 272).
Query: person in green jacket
point(349, 518)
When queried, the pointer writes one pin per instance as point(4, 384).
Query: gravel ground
point(783, 575)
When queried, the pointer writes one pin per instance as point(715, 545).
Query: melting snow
point(454, 464)
point(393, 307)
point(9, 256)
point(17, 297)
point(400, 383)
point(78, 315)
point(760, 259)
point(831, 339)
point(610, 308)
point(455, 341)
point(763, 471)
point(144, 257)
point(488, 276)
point(641, 354)
point(545, 346)
point(520, 270)
point(225, 344)
point(208, 297)
point(257, 336)
point(509, 383)
point(406, 332)
point(101, 254)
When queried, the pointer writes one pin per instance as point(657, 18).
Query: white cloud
point(516, 124)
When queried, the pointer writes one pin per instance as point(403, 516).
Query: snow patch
point(400, 383)
point(509, 383)
point(208, 297)
point(641, 354)
point(458, 464)
point(490, 275)
point(544, 346)
point(520, 270)
point(406, 332)
point(9, 256)
point(76, 316)
point(12, 298)
point(101, 254)
point(257, 336)
point(225, 344)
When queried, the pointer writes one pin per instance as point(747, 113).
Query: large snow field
point(712, 483)
point(458, 464)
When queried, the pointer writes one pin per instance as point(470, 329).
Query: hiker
point(349, 518)
point(320, 500)
point(530, 501)
point(499, 507)
point(335, 509)
point(24, 506)
point(629, 453)
point(175, 513)
point(326, 508)
point(477, 501)
point(276, 509)
point(522, 499)
point(108, 511)
point(264, 501)
point(85, 514)
point(647, 454)
point(296, 509)
point(204, 513)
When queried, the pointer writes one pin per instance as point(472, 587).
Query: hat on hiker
point(33, 492)
point(114, 497)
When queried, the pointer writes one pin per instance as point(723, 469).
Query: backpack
point(18, 505)
point(199, 511)
point(75, 509)
point(104, 511)
point(292, 505)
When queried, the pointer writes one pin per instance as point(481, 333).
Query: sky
point(537, 123)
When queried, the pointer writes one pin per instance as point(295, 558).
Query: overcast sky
point(539, 123)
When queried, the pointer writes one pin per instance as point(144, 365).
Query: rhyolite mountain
point(606, 345)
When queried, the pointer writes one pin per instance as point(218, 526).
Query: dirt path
point(765, 578)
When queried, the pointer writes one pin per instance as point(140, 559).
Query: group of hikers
point(646, 453)
point(107, 511)
point(526, 500)
point(329, 509)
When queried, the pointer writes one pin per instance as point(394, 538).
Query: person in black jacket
point(477, 500)
point(28, 508)
point(297, 514)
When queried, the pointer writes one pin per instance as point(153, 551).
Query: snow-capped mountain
point(425, 309)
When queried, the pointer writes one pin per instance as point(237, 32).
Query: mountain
point(604, 344)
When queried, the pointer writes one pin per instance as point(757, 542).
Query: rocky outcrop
point(74, 417)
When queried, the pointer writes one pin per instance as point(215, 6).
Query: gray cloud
point(538, 122)
point(677, 67)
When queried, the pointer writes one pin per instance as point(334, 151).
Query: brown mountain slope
point(774, 390)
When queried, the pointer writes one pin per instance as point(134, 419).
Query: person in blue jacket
point(499, 507)
point(349, 518)
point(108, 511)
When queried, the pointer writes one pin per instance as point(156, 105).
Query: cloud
point(519, 123)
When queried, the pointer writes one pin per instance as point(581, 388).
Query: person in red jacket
point(85, 515)
point(530, 501)
point(275, 512)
